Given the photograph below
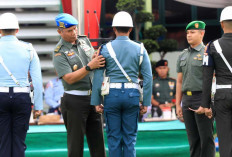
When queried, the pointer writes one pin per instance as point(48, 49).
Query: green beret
point(196, 25)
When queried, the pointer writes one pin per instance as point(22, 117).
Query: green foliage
point(143, 16)
point(150, 45)
point(130, 5)
point(167, 45)
point(155, 32)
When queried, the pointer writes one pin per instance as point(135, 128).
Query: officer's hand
point(143, 110)
point(99, 108)
point(97, 62)
point(208, 112)
point(200, 110)
point(37, 113)
point(96, 53)
point(179, 112)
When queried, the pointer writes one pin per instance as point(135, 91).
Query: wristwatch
point(88, 68)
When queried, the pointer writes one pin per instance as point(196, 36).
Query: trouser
point(80, 118)
point(121, 110)
point(15, 110)
point(199, 128)
point(223, 109)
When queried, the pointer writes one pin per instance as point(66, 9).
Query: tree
point(157, 34)
point(135, 8)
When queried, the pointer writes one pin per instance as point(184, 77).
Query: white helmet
point(8, 21)
point(226, 14)
point(122, 19)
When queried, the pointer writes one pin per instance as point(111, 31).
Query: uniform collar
point(9, 37)
point(227, 35)
point(162, 78)
point(122, 38)
point(68, 44)
point(199, 47)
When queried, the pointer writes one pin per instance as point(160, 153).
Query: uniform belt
point(79, 92)
point(190, 93)
point(15, 89)
point(126, 85)
point(223, 86)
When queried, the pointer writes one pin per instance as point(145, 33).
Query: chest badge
point(75, 67)
point(171, 84)
point(71, 52)
point(157, 85)
point(171, 93)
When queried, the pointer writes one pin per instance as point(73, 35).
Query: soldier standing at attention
point(121, 104)
point(74, 60)
point(17, 58)
point(189, 90)
point(218, 59)
point(164, 88)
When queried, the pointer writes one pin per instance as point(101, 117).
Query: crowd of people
point(90, 84)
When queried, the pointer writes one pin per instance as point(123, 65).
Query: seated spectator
point(52, 95)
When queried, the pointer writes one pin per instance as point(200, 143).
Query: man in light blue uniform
point(121, 105)
point(53, 93)
point(17, 58)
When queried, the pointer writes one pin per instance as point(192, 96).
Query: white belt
point(78, 92)
point(223, 86)
point(126, 85)
point(15, 89)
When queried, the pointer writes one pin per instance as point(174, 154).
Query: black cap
point(161, 63)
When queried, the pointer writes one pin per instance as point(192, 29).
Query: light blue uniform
point(121, 106)
point(53, 93)
point(15, 102)
point(17, 57)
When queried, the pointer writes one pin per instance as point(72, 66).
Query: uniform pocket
point(219, 96)
point(197, 63)
point(183, 63)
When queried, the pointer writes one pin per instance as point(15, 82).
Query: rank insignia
point(75, 67)
point(157, 85)
point(57, 54)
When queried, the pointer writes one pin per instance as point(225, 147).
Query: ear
point(130, 30)
point(59, 31)
point(222, 25)
point(17, 30)
point(0, 31)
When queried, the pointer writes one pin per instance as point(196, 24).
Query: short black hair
point(122, 29)
point(8, 31)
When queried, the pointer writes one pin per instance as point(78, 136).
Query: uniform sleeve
point(178, 68)
point(96, 89)
point(48, 96)
point(147, 79)
point(36, 76)
point(61, 64)
point(208, 70)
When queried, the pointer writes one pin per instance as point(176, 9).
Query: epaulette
point(58, 47)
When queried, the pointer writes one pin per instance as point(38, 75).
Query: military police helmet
point(9, 21)
point(226, 14)
point(122, 19)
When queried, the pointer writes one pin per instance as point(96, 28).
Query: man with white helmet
point(218, 58)
point(124, 58)
point(17, 58)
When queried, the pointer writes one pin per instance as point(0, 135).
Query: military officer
point(218, 59)
point(17, 58)
point(164, 88)
point(74, 59)
point(52, 95)
point(121, 104)
point(189, 90)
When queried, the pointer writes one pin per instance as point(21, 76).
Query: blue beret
point(64, 20)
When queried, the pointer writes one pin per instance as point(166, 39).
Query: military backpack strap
point(219, 50)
